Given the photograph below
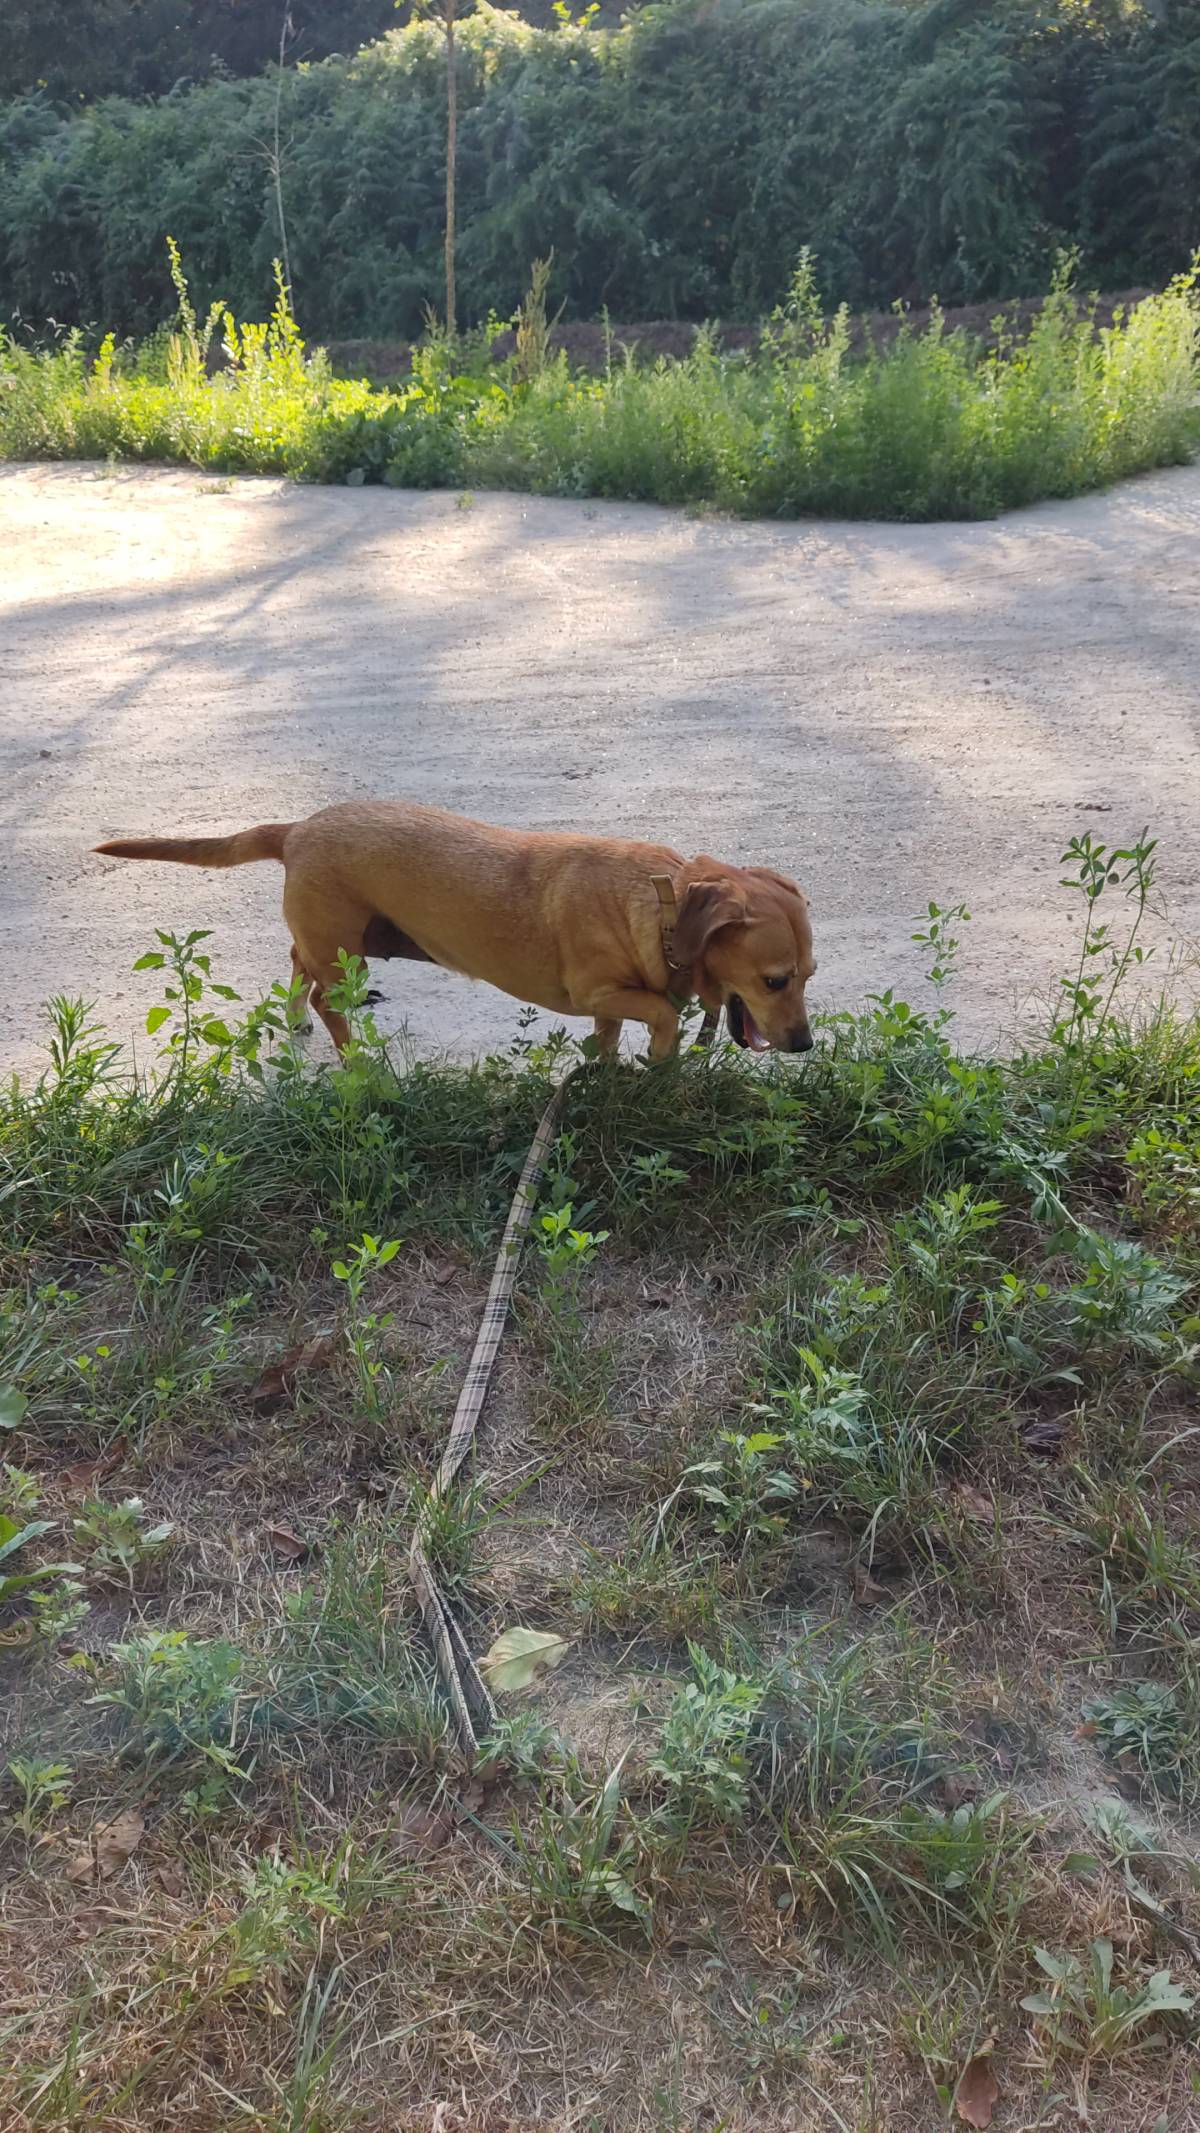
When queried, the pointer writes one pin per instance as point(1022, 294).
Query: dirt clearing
point(894, 713)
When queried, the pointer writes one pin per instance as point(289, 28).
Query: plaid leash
point(470, 1698)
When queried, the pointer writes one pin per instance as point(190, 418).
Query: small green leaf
point(155, 1019)
point(340, 1270)
point(215, 1032)
point(152, 961)
point(13, 1405)
point(389, 1251)
point(1041, 2003)
point(13, 1536)
point(763, 1440)
point(1161, 1995)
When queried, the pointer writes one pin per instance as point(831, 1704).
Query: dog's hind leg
point(320, 936)
point(299, 1019)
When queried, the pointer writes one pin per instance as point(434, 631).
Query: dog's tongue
point(754, 1036)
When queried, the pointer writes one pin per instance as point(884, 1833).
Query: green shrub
point(932, 428)
point(673, 165)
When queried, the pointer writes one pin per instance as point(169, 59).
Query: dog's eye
point(775, 984)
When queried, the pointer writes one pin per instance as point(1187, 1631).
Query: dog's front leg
point(613, 1008)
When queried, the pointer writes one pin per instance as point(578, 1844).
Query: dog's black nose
point(802, 1039)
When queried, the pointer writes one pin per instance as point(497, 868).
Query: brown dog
point(579, 925)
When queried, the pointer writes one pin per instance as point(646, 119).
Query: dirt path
point(894, 713)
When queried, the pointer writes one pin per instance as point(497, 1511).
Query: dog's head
point(745, 934)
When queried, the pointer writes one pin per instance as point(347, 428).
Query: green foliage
point(1087, 2013)
point(77, 50)
point(703, 1761)
point(672, 166)
point(1151, 1729)
point(932, 428)
point(114, 1537)
point(44, 1789)
point(20, 1576)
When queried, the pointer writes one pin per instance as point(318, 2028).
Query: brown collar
point(679, 974)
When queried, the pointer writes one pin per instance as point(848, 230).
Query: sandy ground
point(892, 713)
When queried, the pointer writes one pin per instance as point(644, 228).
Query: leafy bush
point(932, 428)
point(673, 165)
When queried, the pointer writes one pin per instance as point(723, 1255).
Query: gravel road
point(891, 713)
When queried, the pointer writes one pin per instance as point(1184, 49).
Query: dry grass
point(774, 1847)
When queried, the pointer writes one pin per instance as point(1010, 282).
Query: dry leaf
point(518, 1654)
point(973, 1503)
point(279, 1378)
point(82, 1868)
point(978, 2091)
point(170, 1878)
point(957, 1789)
point(116, 1841)
point(867, 1590)
point(109, 1848)
point(424, 1829)
point(659, 1295)
point(89, 1472)
point(287, 1544)
point(90, 1919)
point(1044, 1437)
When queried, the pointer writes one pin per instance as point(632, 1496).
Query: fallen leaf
point(957, 1788)
point(518, 1654)
point(287, 1544)
point(867, 1590)
point(978, 2091)
point(89, 1472)
point(1044, 1437)
point(170, 1878)
point(109, 1848)
point(116, 1841)
point(90, 1919)
point(424, 1829)
point(973, 1503)
point(279, 1378)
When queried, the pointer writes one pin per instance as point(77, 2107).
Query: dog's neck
point(681, 992)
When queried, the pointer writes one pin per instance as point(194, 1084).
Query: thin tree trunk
point(277, 158)
point(451, 167)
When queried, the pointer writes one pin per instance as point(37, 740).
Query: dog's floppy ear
point(780, 881)
point(706, 907)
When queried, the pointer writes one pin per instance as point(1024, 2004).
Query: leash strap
point(469, 1697)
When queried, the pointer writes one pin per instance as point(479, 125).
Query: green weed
point(1085, 2011)
point(933, 428)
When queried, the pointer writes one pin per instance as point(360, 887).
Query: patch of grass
point(931, 428)
point(863, 1381)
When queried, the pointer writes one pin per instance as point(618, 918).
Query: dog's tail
point(263, 842)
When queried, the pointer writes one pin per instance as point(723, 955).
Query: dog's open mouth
point(742, 1026)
